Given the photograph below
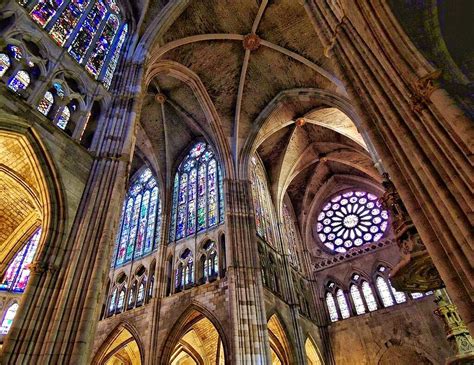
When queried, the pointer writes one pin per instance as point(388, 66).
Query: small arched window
point(264, 211)
point(369, 296)
point(8, 318)
point(18, 272)
point(20, 81)
point(15, 52)
point(140, 225)
point(121, 300)
point(46, 103)
point(112, 301)
point(63, 117)
point(341, 301)
point(4, 63)
point(132, 295)
point(357, 300)
point(384, 291)
point(198, 193)
point(332, 309)
point(141, 291)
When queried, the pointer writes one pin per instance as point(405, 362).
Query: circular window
point(351, 220)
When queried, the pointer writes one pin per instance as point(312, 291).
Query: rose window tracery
point(351, 219)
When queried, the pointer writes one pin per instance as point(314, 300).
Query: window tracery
point(140, 224)
point(264, 212)
point(89, 29)
point(198, 193)
point(16, 277)
point(209, 261)
point(351, 219)
point(185, 270)
point(20, 81)
point(331, 305)
point(357, 299)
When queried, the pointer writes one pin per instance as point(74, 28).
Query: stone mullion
point(344, 50)
point(250, 338)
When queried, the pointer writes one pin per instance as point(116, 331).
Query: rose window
point(351, 220)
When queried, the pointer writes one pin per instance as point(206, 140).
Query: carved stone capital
point(425, 85)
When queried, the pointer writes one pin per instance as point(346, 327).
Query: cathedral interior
point(254, 182)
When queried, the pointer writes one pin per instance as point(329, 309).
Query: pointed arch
point(124, 339)
point(190, 319)
point(280, 344)
point(313, 355)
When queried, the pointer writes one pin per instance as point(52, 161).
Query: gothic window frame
point(8, 307)
point(338, 229)
point(192, 196)
point(209, 261)
point(5, 64)
point(396, 297)
point(139, 224)
point(184, 277)
point(66, 26)
point(264, 210)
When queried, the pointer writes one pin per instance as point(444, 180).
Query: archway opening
point(199, 344)
point(122, 350)
point(313, 356)
point(279, 344)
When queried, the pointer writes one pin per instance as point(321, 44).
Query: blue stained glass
point(102, 46)
point(4, 63)
point(201, 209)
point(20, 81)
point(45, 10)
point(158, 225)
point(221, 196)
point(59, 89)
point(175, 208)
point(67, 21)
point(83, 39)
point(15, 52)
point(133, 228)
point(181, 220)
point(151, 220)
point(212, 192)
point(192, 202)
point(109, 73)
point(125, 232)
point(142, 225)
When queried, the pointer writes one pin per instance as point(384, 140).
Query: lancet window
point(16, 277)
point(8, 318)
point(209, 261)
point(93, 31)
point(291, 236)
point(351, 219)
point(198, 202)
point(264, 212)
point(185, 270)
point(140, 225)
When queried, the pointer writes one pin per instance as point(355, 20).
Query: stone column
point(393, 89)
point(60, 309)
point(456, 331)
point(247, 310)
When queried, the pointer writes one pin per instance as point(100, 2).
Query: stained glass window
point(112, 301)
point(140, 223)
point(46, 103)
point(369, 296)
point(384, 291)
point(264, 212)
point(102, 46)
point(341, 301)
point(350, 220)
point(291, 235)
point(141, 292)
point(59, 89)
point(18, 272)
point(197, 197)
point(63, 117)
point(15, 52)
point(45, 10)
point(90, 25)
point(331, 304)
point(121, 299)
point(109, 73)
point(67, 21)
point(4, 63)
point(416, 295)
point(8, 319)
point(357, 299)
point(20, 81)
